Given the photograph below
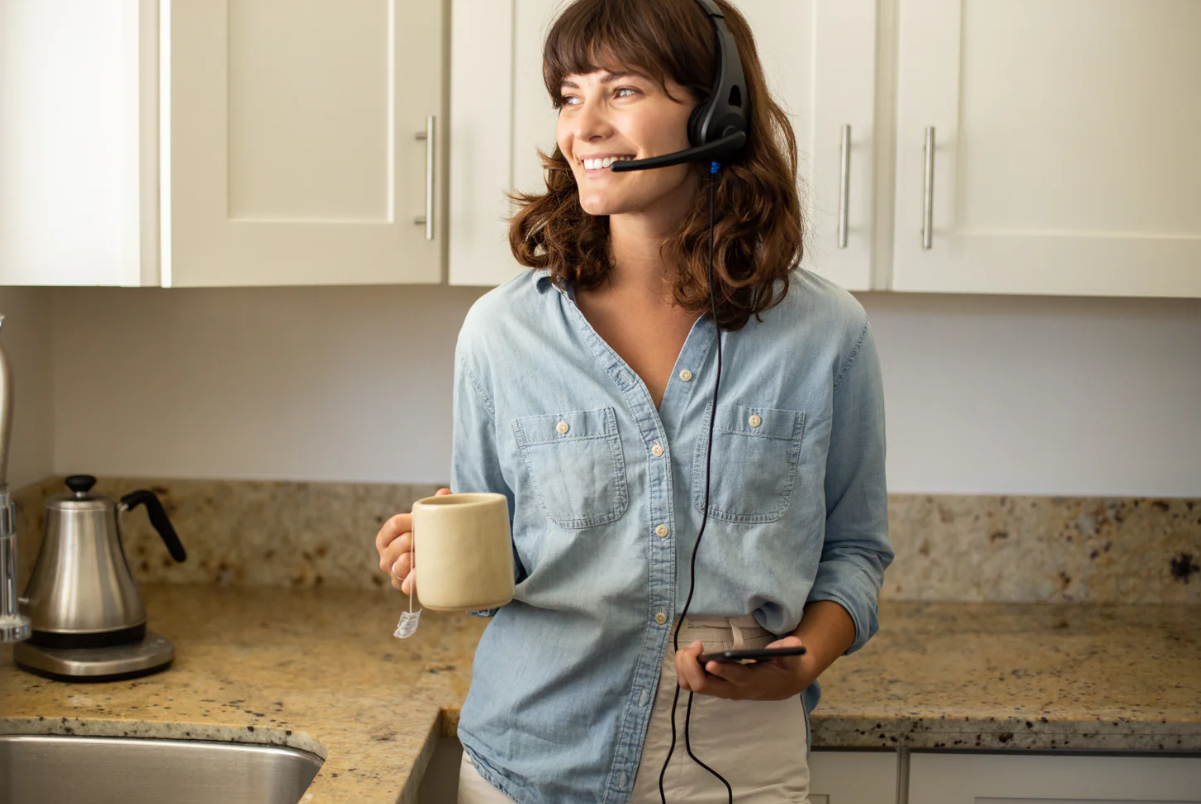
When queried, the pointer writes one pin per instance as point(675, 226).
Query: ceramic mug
point(462, 551)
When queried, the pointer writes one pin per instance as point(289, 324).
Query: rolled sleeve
point(475, 463)
point(856, 550)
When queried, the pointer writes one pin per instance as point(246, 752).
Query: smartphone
point(758, 654)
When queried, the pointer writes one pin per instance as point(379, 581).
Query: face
point(625, 114)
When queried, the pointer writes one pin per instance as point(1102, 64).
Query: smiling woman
point(624, 75)
point(591, 392)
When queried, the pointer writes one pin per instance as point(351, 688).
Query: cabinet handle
point(428, 217)
point(928, 195)
point(844, 186)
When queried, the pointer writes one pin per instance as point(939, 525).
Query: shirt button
point(660, 618)
point(562, 427)
point(755, 421)
point(661, 531)
point(685, 375)
point(656, 450)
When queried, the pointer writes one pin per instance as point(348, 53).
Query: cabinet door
point(291, 149)
point(853, 777)
point(820, 60)
point(1016, 779)
point(501, 115)
point(1064, 155)
point(819, 56)
point(77, 150)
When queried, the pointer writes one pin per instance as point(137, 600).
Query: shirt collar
point(542, 281)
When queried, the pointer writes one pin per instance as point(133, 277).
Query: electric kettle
point(81, 593)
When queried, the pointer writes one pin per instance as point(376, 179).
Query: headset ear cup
point(695, 121)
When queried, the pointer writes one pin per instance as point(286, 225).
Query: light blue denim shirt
point(606, 494)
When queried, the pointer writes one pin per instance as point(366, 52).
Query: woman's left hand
point(772, 680)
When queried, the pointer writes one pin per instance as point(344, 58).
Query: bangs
point(620, 35)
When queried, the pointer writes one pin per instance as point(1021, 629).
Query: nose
point(592, 121)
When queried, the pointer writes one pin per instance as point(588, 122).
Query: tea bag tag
point(407, 626)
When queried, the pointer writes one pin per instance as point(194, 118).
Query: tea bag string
point(412, 568)
point(407, 625)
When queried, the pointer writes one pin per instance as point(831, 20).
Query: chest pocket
point(577, 466)
point(754, 465)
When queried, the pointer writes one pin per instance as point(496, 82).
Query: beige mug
point(462, 551)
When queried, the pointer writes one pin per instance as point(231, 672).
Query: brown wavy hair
point(758, 229)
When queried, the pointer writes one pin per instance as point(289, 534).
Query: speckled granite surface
point(317, 669)
point(314, 669)
point(1044, 549)
point(969, 548)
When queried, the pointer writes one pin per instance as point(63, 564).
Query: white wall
point(984, 394)
point(25, 336)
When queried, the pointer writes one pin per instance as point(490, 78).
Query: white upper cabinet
point(819, 56)
point(292, 142)
point(1065, 156)
point(501, 114)
point(77, 155)
point(820, 60)
point(200, 143)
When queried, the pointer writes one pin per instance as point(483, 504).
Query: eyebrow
point(609, 78)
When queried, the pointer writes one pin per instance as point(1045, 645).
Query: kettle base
point(152, 654)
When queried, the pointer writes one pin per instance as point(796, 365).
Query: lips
point(601, 162)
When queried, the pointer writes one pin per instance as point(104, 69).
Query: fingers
point(689, 673)
point(404, 583)
point(787, 662)
point(401, 545)
point(394, 527)
point(440, 492)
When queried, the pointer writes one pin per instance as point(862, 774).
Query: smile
point(601, 164)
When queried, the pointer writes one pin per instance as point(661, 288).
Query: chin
point(598, 207)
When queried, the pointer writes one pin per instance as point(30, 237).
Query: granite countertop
point(318, 669)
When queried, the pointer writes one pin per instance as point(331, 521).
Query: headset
point(716, 128)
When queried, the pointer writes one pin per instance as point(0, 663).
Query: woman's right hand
point(394, 543)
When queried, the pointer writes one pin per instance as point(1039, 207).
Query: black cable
point(713, 168)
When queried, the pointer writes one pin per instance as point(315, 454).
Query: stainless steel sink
point(103, 770)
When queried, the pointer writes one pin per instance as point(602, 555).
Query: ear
point(695, 120)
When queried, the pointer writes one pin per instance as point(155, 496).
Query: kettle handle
point(158, 518)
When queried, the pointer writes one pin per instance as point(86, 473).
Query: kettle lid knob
point(81, 484)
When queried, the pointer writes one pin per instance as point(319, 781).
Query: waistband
point(736, 630)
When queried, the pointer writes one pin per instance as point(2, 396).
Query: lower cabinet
point(944, 778)
point(852, 777)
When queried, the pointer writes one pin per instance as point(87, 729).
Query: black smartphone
point(758, 654)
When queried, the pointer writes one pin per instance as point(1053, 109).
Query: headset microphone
point(733, 142)
point(716, 127)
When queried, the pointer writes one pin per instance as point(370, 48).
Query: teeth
point(597, 164)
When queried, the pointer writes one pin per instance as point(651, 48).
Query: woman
point(582, 392)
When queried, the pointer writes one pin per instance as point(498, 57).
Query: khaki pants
point(758, 746)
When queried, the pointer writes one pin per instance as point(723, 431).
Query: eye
point(626, 89)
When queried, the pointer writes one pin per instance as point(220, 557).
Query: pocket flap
point(552, 427)
point(767, 422)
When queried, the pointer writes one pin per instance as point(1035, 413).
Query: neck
point(638, 270)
